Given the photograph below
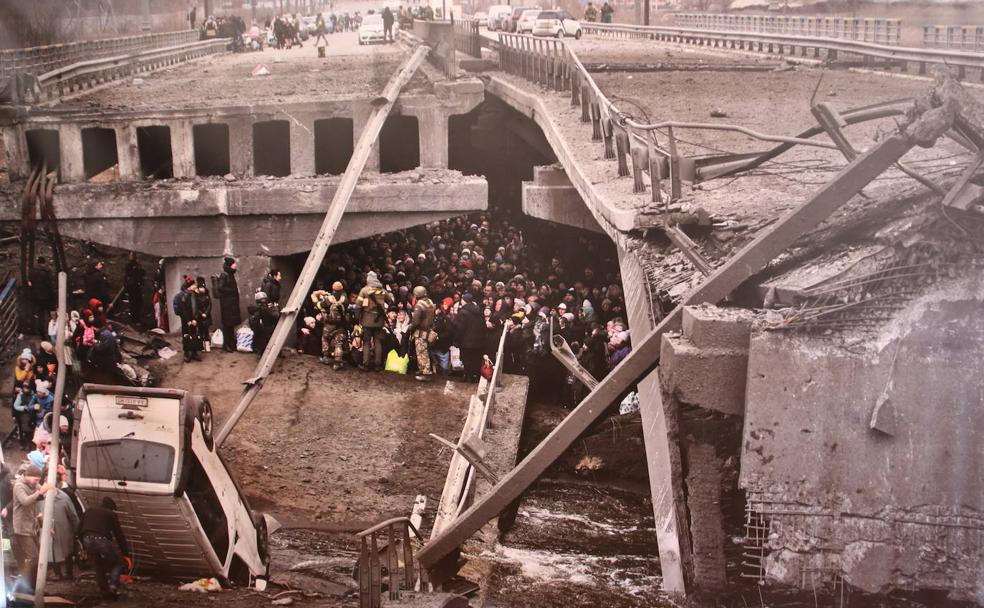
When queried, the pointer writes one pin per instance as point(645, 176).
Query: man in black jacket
point(41, 283)
point(227, 291)
point(470, 336)
point(96, 285)
point(271, 286)
point(134, 278)
point(105, 543)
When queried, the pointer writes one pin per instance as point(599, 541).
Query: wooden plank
point(285, 324)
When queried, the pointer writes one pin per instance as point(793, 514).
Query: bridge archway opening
point(399, 144)
point(333, 145)
point(43, 146)
point(99, 152)
point(211, 146)
point(271, 148)
point(154, 145)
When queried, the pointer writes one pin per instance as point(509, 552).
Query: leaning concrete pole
point(381, 109)
point(49, 498)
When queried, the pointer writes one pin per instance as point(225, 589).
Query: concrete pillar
point(359, 121)
point(432, 126)
point(15, 150)
point(241, 147)
point(183, 149)
point(128, 153)
point(249, 276)
point(659, 426)
point(70, 149)
point(302, 146)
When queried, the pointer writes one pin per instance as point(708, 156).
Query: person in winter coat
point(332, 309)
point(105, 355)
point(444, 329)
point(388, 19)
point(227, 291)
point(24, 415)
point(104, 541)
point(372, 302)
point(262, 320)
point(27, 493)
point(421, 324)
point(203, 300)
point(95, 283)
point(42, 295)
point(63, 526)
point(309, 338)
point(42, 402)
point(186, 305)
point(470, 336)
point(271, 286)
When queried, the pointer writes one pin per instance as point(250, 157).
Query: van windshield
point(127, 460)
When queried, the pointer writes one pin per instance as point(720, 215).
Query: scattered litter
point(262, 70)
point(166, 353)
point(202, 585)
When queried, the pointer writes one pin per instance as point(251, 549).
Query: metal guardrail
point(961, 37)
point(9, 317)
point(879, 31)
point(86, 74)
point(40, 59)
point(468, 39)
point(778, 43)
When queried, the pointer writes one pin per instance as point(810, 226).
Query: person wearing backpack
point(372, 303)
point(227, 291)
point(421, 326)
point(331, 309)
point(84, 337)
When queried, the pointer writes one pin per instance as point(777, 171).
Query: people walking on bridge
point(607, 13)
point(591, 13)
point(333, 310)
point(388, 24)
point(227, 291)
point(372, 302)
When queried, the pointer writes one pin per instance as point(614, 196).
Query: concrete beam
point(15, 152)
point(302, 145)
point(241, 146)
point(70, 150)
point(183, 149)
point(128, 153)
point(558, 204)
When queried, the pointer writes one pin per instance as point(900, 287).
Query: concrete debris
point(284, 601)
point(883, 418)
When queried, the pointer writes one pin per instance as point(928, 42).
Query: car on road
point(526, 20)
point(497, 14)
point(559, 24)
point(371, 29)
point(151, 450)
point(509, 22)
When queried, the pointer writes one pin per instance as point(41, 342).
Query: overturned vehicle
point(151, 450)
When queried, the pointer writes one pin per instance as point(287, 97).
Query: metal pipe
point(49, 498)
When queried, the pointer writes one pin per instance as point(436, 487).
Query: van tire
point(577, 35)
point(262, 537)
point(207, 421)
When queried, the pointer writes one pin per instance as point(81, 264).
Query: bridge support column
point(15, 147)
point(127, 153)
point(70, 150)
point(433, 129)
point(241, 147)
point(183, 149)
point(660, 428)
point(358, 124)
point(250, 273)
point(302, 146)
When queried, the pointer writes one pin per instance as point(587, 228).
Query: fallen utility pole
point(645, 355)
point(49, 498)
point(381, 109)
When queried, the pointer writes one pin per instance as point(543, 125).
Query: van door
point(208, 509)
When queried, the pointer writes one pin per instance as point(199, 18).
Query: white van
point(496, 14)
point(151, 450)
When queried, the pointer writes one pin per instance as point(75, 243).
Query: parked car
point(557, 23)
point(482, 17)
point(151, 451)
point(526, 21)
point(496, 14)
point(371, 29)
point(509, 23)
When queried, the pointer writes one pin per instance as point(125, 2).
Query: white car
point(371, 29)
point(151, 451)
point(496, 14)
point(527, 20)
point(557, 23)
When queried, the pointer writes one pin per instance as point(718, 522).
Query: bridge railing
point(468, 40)
point(380, 549)
point(962, 37)
point(40, 59)
point(961, 60)
point(879, 31)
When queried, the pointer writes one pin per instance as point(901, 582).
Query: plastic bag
point(487, 368)
point(456, 363)
point(244, 339)
point(216, 339)
point(396, 363)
